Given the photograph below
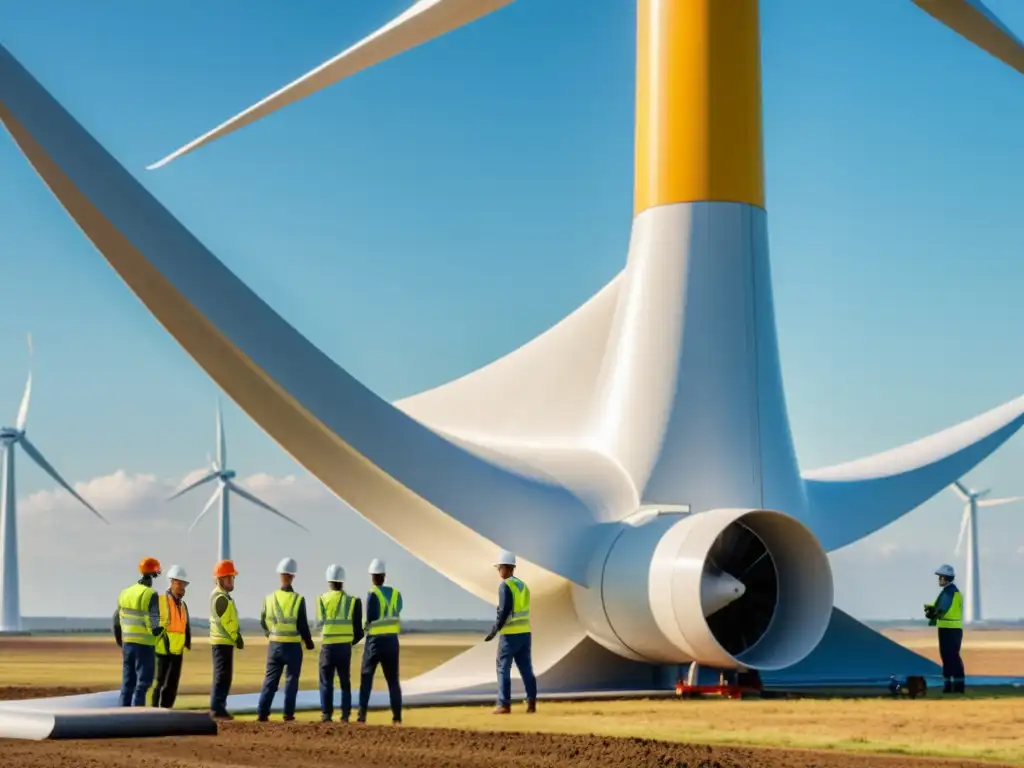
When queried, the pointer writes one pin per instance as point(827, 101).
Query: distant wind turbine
point(974, 500)
point(226, 485)
point(10, 594)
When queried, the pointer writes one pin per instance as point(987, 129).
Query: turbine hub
point(10, 435)
point(227, 474)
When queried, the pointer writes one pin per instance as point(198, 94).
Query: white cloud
point(888, 548)
point(60, 542)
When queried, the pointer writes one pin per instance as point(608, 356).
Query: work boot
point(361, 717)
point(262, 719)
point(499, 710)
point(221, 715)
point(289, 718)
point(396, 721)
point(325, 718)
point(531, 706)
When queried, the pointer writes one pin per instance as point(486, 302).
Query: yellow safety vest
point(335, 610)
point(133, 615)
point(519, 622)
point(954, 618)
point(174, 618)
point(223, 629)
point(282, 616)
point(388, 623)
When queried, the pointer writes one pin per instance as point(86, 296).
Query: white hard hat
point(505, 558)
point(289, 566)
point(177, 573)
point(377, 567)
point(335, 573)
point(945, 570)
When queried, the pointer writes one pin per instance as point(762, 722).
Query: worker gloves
point(239, 643)
point(489, 637)
point(309, 645)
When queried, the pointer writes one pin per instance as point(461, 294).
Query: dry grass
point(985, 728)
point(95, 662)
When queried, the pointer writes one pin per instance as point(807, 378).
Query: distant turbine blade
point(249, 497)
point(999, 502)
point(961, 490)
point(207, 508)
point(25, 398)
point(201, 481)
point(222, 451)
point(424, 21)
point(38, 458)
point(963, 528)
point(973, 21)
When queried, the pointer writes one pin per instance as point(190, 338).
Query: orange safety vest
point(176, 616)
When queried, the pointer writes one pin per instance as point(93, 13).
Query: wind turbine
point(225, 486)
point(10, 596)
point(973, 501)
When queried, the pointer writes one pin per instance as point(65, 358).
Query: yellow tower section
point(698, 103)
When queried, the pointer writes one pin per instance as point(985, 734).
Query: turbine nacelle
point(730, 588)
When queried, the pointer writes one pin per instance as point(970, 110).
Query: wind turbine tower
point(10, 437)
point(973, 500)
point(225, 486)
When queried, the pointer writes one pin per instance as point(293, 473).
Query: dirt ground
point(245, 745)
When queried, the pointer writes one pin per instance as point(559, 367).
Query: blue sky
point(435, 212)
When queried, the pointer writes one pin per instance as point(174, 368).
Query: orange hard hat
point(224, 568)
point(149, 565)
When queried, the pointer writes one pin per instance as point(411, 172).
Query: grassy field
point(95, 662)
point(986, 727)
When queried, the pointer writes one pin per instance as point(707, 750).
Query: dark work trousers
point(517, 648)
point(950, 641)
point(168, 675)
point(281, 657)
point(336, 661)
point(137, 669)
point(383, 650)
point(223, 672)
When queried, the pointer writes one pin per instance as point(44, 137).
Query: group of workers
point(154, 632)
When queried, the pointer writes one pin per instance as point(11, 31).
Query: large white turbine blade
point(39, 459)
point(207, 508)
point(260, 503)
point(424, 21)
point(25, 398)
point(849, 501)
point(964, 519)
point(961, 490)
point(428, 492)
point(976, 23)
point(999, 502)
point(212, 475)
point(222, 451)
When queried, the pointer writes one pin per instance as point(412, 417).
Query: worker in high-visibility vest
point(286, 625)
point(947, 614)
point(383, 624)
point(340, 618)
point(176, 639)
point(136, 629)
point(516, 644)
point(225, 637)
